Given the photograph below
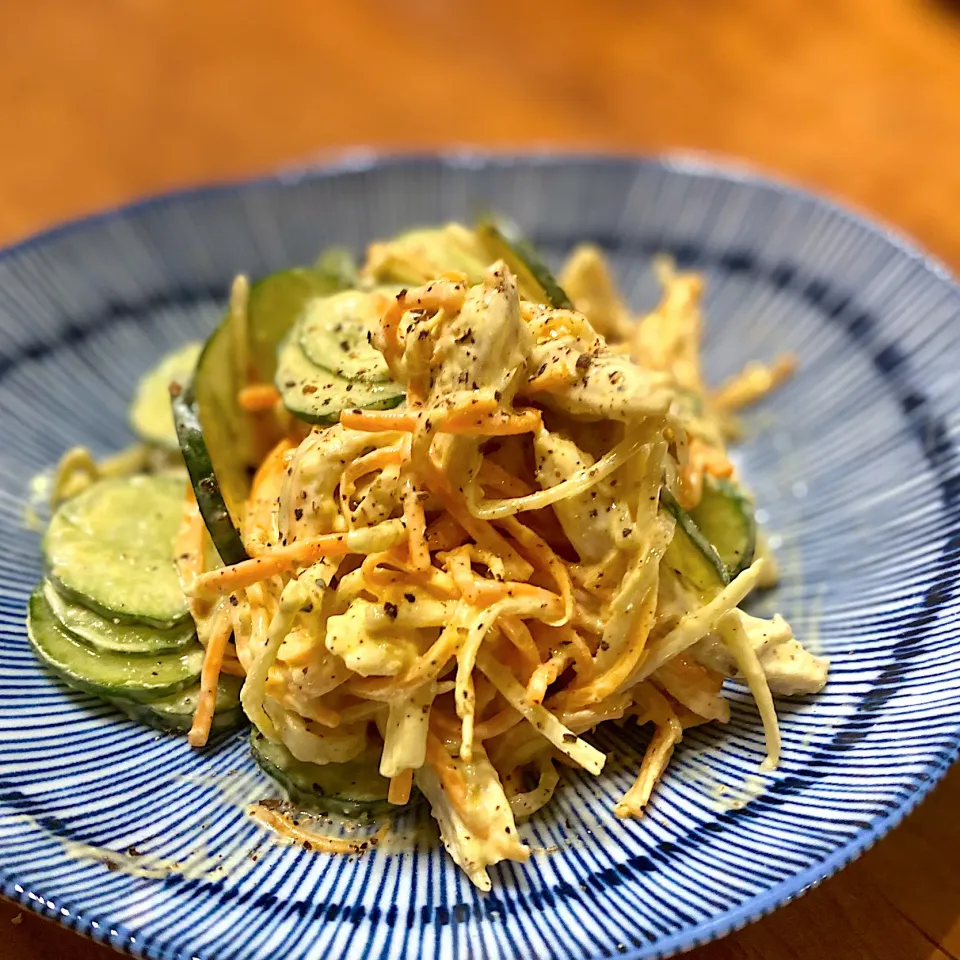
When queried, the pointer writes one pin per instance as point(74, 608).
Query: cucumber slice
point(421, 255)
point(275, 303)
point(107, 674)
point(318, 396)
point(534, 278)
point(335, 335)
point(214, 433)
point(691, 555)
point(338, 265)
point(715, 541)
point(112, 636)
point(353, 789)
point(220, 438)
point(175, 712)
point(725, 517)
point(111, 549)
point(150, 414)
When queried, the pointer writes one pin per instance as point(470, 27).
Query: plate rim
point(691, 163)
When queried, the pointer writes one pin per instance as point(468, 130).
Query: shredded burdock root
point(477, 579)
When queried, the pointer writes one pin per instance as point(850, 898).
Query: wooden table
point(104, 100)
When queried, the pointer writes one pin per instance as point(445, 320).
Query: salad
point(441, 516)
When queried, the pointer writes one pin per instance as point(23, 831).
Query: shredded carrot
point(701, 458)
point(399, 792)
point(209, 676)
point(275, 560)
point(257, 397)
point(541, 554)
point(544, 675)
point(486, 536)
point(490, 591)
point(714, 461)
point(494, 424)
point(448, 295)
point(484, 419)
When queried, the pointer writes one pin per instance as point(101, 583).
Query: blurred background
point(102, 101)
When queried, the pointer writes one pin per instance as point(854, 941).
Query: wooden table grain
point(102, 101)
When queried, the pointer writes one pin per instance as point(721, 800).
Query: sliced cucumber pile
point(150, 414)
point(174, 712)
point(217, 440)
point(353, 789)
point(111, 549)
point(109, 620)
point(101, 672)
point(114, 636)
point(715, 541)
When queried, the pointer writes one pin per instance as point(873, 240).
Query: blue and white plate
point(857, 476)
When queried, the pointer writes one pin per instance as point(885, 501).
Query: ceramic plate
point(855, 468)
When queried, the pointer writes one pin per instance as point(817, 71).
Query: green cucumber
point(725, 517)
point(691, 555)
point(112, 636)
point(175, 711)
point(318, 396)
point(354, 789)
point(150, 411)
point(214, 433)
point(111, 549)
point(715, 541)
point(534, 277)
point(220, 492)
point(338, 265)
point(418, 256)
point(107, 674)
point(335, 335)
